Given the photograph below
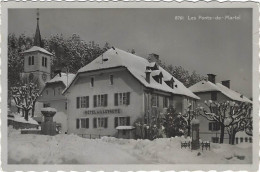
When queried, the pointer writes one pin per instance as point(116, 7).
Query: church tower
point(37, 60)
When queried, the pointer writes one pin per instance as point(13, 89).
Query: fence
point(92, 136)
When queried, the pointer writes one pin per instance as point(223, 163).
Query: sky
point(221, 47)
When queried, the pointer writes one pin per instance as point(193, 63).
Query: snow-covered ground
point(71, 149)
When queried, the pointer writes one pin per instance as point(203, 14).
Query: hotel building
point(109, 94)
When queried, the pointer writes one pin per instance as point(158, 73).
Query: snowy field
point(71, 149)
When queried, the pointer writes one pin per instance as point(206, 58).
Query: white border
point(105, 167)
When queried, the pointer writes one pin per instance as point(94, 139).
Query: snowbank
point(18, 118)
point(71, 149)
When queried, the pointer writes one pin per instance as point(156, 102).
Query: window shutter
point(116, 122)
point(164, 102)
point(116, 99)
point(105, 123)
point(78, 99)
point(95, 100)
point(42, 61)
point(32, 60)
point(87, 99)
point(210, 126)
point(77, 123)
point(29, 60)
point(105, 103)
point(128, 121)
point(128, 98)
point(46, 62)
point(87, 123)
point(94, 122)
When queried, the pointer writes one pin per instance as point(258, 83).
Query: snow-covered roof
point(125, 127)
point(137, 66)
point(233, 94)
point(62, 78)
point(205, 86)
point(36, 48)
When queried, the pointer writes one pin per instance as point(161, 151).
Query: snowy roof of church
point(62, 78)
point(36, 48)
point(137, 66)
point(205, 86)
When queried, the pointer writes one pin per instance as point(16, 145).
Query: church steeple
point(37, 36)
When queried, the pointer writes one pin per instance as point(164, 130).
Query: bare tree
point(25, 97)
point(228, 114)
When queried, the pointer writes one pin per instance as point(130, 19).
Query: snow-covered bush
point(174, 123)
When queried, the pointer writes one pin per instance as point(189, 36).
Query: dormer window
point(157, 76)
point(170, 82)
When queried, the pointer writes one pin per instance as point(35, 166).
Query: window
point(246, 139)
point(82, 123)
point(32, 62)
point(241, 139)
point(92, 81)
point(111, 79)
point(44, 61)
point(122, 121)
point(236, 140)
point(100, 122)
point(155, 100)
point(122, 98)
point(214, 139)
point(165, 102)
point(59, 91)
point(46, 105)
point(100, 100)
point(214, 110)
point(214, 126)
point(214, 96)
point(250, 139)
point(47, 92)
point(83, 102)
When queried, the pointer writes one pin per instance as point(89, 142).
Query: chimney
point(153, 57)
point(148, 74)
point(212, 78)
point(226, 83)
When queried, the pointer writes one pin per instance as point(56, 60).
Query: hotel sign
point(103, 111)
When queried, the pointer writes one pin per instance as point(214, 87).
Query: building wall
point(205, 133)
point(51, 96)
point(123, 82)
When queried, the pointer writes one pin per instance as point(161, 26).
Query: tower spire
point(37, 36)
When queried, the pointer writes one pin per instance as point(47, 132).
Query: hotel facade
point(107, 96)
